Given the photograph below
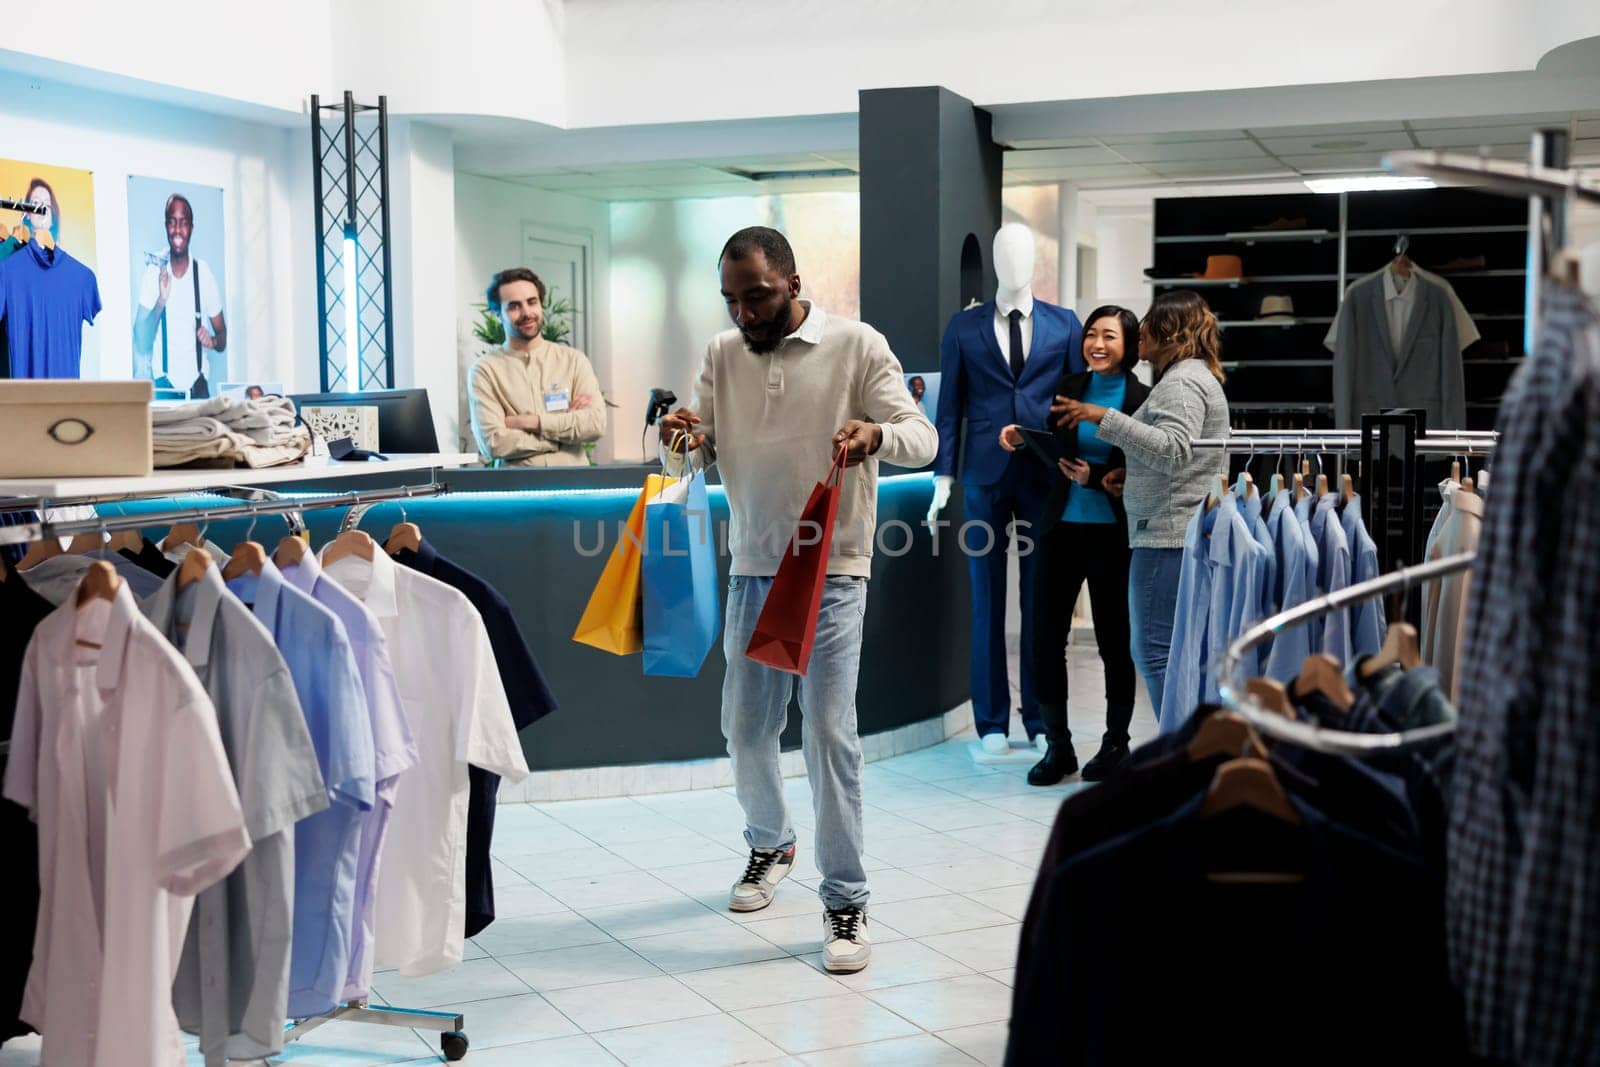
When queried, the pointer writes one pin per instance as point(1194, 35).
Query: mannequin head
point(1013, 257)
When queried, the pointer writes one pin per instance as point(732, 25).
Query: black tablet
point(1043, 444)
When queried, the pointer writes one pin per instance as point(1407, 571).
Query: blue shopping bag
point(678, 580)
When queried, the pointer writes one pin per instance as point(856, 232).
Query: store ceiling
point(1286, 153)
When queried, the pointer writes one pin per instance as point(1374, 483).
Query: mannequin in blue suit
point(977, 385)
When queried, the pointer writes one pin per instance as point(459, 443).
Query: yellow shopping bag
point(613, 621)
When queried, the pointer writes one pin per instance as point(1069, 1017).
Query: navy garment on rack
point(1523, 878)
point(150, 557)
point(46, 296)
point(1259, 957)
point(21, 610)
point(530, 698)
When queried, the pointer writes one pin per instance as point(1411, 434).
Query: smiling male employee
point(535, 403)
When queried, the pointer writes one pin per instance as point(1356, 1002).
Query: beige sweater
point(769, 421)
point(504, 382)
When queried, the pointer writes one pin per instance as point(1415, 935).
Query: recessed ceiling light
point(1339, 146)
point(1366, 182)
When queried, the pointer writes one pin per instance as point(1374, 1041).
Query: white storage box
point(52, 428)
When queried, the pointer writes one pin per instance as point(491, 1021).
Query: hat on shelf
point(1220, 268)
point(1276, 308)
point(1281, 223)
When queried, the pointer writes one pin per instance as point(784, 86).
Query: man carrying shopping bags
point(778, 395)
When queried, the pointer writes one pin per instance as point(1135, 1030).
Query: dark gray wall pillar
point(930, 180)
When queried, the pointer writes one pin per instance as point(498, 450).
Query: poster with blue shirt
point(49, 296)
point(177, 269)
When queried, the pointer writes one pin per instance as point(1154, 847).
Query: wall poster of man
point(178, 263)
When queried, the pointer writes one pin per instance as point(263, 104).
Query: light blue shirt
point(1333, 574)
point(1367, 625)
point(1219, 595)
point(1295, 581)
point(1302, 511)
point(317, 650)
point(1250, 508)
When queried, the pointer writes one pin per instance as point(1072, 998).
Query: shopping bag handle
point(838, 468)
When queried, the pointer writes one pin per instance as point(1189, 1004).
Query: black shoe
point(1059, 761)
point(1105, 762)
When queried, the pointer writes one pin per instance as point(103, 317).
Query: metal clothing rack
point(1334, 742)
point(449, 1025)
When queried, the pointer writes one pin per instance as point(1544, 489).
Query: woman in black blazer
point(1082, 535)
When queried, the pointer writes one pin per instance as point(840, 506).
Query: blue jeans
point(755, 709)
point(1152, 602)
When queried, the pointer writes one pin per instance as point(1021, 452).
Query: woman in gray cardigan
point(1166, 478)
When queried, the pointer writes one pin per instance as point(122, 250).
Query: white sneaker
point(767, 867)
point(996, 744)
point(845, 948)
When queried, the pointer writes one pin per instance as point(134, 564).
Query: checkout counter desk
point(537, 537)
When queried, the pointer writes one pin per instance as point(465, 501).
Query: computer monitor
point(405, 420)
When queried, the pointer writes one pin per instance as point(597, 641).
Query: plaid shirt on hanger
point(1523, 877)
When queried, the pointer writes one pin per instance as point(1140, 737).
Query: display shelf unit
point(179, 482)
point(1336, 240)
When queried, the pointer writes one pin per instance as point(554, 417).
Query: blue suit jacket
point(975, 383)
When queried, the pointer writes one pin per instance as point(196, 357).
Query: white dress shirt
point(1002, 326)
point(1399, 298)
point(117, 755)
point(457, 712)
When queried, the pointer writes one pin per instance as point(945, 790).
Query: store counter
point(542, 537)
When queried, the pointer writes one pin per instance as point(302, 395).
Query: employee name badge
point(556, 399)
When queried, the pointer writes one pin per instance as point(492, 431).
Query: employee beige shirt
point(505, 382)
point(456, 709)
point(117, 755)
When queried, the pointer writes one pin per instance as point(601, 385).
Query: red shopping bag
point(787, 627)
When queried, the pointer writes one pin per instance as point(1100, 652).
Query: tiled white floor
point(614, 945)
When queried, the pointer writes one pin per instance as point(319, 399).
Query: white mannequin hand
point(941, 497)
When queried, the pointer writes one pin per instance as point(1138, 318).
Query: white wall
point(1124, 236)
point(489, 220)
point(264, 171)
point(422, 182)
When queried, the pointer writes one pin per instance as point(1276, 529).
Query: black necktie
point(1016, 345)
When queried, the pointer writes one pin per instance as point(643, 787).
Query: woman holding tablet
point(1082, 535)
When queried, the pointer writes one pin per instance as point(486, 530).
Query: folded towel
point(161, 413)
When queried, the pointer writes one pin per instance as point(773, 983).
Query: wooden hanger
point(1347, 488)
point(1270, 695)
point(1249, 782)
point(184, 533)
point(1322, 486)
point(39, 551)
point(1455, 472)
point(193, 567)
point(248, 558)
point(290, 551)
point(1400, 645)
point(126, 540)
point(1219, 490)
point(404, 535)
point(100, 580)
point(1222, 733)
point(46, 239)
point(1277, 484)
point(20, 233)
point(1244, 487)
point(1299, 486)
point(1321, 673)
point(350, 543)
point(83, 544)
point(1305, 468)
point(1467, 487)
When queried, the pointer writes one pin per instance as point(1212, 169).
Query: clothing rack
point(44, 528)
point(1334, 742)
point(449, 1025)
point(26, 206)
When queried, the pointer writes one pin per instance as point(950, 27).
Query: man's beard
point(523, 331)
point(765, 343)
